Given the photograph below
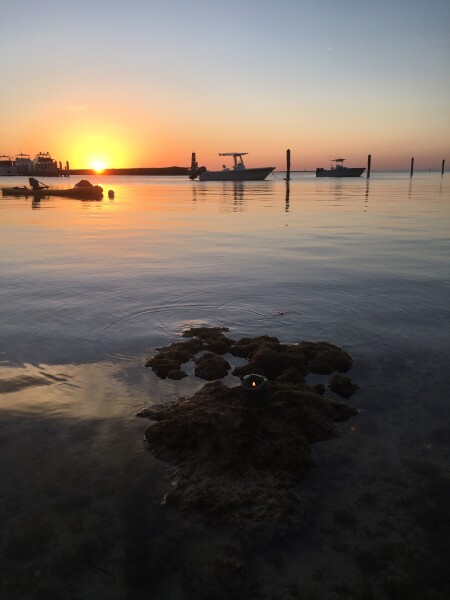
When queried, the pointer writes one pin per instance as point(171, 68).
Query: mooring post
point(369, 162)
point(288, 165)
point(443, 166)
point(412, 166)
point(67, 168)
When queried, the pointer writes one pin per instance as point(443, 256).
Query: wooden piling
point(288, 165)
point(443, 166)
point(412, 166)
point(67, 168)
point(369, 162)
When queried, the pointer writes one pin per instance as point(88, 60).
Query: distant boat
point(44, 165)
point(7, 165)
point(23, 164)
point(238, 172)
point(339, 170)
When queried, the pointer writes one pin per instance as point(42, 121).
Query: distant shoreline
point(133, 171)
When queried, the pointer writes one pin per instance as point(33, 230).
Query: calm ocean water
point(351, 260)
point(90, 288)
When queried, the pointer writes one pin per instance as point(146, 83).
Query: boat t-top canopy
point(237, 158)
point(338, 159)
point(232, 153)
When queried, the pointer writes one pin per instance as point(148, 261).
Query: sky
point(143, 83)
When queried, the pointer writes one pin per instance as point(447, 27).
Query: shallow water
point(90, 288)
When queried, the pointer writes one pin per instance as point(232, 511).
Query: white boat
point(338, 170)
point(23, 164)
point(7, 165)
point(238, 172)
point(44, 165)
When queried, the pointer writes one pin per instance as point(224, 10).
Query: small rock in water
point(343, 386)
point(210, 366)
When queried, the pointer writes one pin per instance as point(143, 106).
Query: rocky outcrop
point(234, 461)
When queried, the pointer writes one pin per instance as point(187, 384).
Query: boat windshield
point(238, 163)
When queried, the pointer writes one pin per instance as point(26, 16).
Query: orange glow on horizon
point(116, 140)
point(93, 141)
point(97, 151)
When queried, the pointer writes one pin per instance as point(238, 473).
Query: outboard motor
point(194, 167)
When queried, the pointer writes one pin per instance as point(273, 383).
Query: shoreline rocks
point(234, 462)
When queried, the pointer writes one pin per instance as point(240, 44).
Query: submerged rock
point(343, 386)
point(265, 355)
point(210, 366)
point(213, 338)
point(168, 361)
point(234, 462)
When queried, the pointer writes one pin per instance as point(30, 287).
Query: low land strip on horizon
point(133, 171)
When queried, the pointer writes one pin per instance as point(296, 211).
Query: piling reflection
point(240, 196)
point(366, 195)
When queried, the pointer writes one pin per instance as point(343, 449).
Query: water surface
point(91, 288)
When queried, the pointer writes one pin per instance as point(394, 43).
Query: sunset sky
point(144, 82)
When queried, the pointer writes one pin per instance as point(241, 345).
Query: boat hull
point(83, 193)
point(8, 171)
point(236, 174)
point(345, 172)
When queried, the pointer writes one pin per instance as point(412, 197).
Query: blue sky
point(150, 81)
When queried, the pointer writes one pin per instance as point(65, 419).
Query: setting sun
point(92, 147)
point(98, 166)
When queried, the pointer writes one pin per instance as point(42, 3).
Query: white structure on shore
point(42, 165)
